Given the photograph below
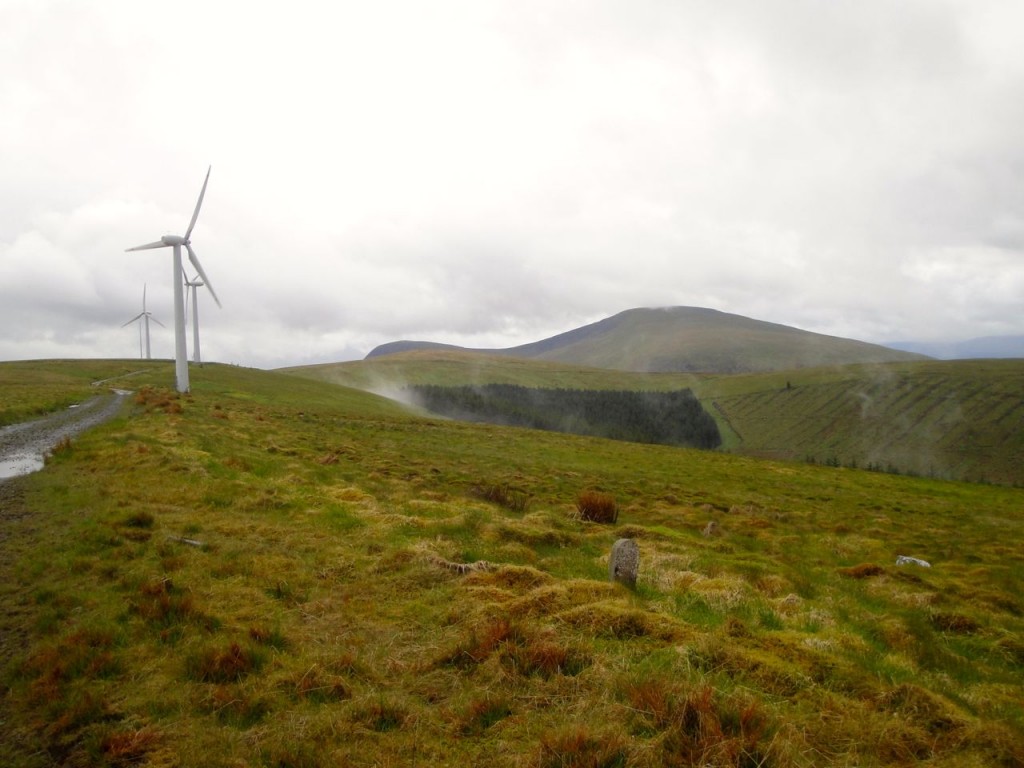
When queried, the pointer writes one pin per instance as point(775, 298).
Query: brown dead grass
point(862, 571)
point(597, 507)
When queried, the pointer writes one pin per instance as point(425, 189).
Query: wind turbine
point(176, 242)
point(194, 283)
point(145, 317)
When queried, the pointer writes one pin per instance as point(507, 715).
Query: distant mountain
point(685, 339)
point(984, 347)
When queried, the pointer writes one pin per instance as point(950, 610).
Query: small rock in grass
point(904, 560)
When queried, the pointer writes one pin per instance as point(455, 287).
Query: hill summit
point(684, 339)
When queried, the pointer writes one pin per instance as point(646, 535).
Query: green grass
point(35, 387)
point(455, 368)
point(316, 620)
point(961, 419)
point(953, 419)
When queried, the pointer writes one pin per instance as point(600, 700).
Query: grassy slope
point(443, 367)
point(962, 419)
point(321, 624)
point(690, 339)
point(695, 339)
point(33, 387)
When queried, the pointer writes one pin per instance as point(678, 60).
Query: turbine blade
point(202, 273)
point(157, 321)
point(148, 246)
point(133, 319)
point(143, 297)
point(199, 204)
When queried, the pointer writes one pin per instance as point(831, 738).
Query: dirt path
point(22, 446)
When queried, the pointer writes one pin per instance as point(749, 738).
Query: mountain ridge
point(979, 348)
point(683, 340)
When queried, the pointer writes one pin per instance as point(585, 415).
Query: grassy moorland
point(32, 388)
point(960, 419)
point(274, 571)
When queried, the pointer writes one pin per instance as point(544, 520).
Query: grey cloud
point(493, 172)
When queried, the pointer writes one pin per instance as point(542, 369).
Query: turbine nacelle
point(167, 241)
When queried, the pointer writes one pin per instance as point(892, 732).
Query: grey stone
point(904, 560)
point(624, 562)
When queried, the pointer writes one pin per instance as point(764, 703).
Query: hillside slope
point(955, 419)
point(685, 339)
point(273, 571)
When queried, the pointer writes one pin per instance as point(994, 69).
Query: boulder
point(624, 562)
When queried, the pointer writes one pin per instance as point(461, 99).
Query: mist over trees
point(665, 418)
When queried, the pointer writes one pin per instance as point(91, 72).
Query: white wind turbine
point(176, 242)
point(193, 284)
point(145, 316)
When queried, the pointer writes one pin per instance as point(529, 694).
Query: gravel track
point(23, 446)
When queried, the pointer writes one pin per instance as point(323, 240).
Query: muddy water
point(22, 464)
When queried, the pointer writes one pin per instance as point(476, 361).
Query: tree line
point(666, 418)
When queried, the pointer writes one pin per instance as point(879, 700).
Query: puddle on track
point(12, 466)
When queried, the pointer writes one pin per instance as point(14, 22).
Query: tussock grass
point(222, 664)
point(698, 725)
point(315, 626)
point(597, 507)
point(482, 713)
point(582, 746)
point(503, 495)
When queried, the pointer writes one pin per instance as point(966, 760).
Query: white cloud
point(493, 172)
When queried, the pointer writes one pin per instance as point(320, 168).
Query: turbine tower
point(145, 317)
point(176, 242)
point(193, 284)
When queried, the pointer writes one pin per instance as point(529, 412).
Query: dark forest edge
point(664, 418)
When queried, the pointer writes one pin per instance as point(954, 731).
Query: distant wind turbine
point(176, 242)
point(145, 316)
point(194, 283)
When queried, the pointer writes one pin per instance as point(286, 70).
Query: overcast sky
point(493, 172)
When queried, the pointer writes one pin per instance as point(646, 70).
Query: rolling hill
point(684, 339)
point(953, 419)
